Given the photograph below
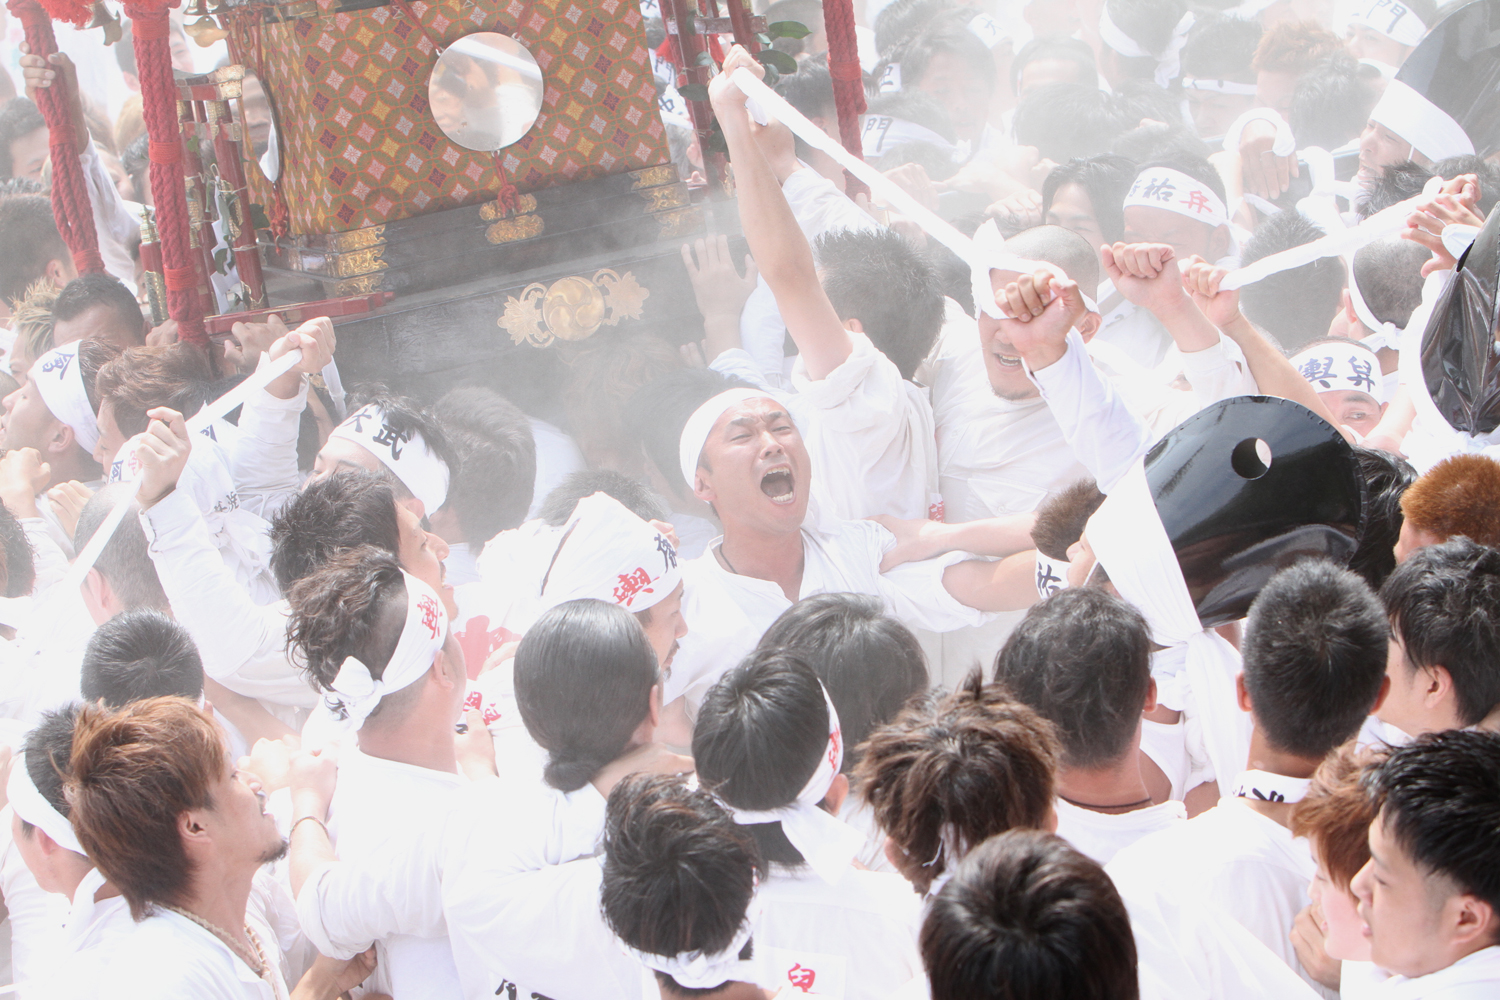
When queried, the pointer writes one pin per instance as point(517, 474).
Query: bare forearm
point(1190, 329)
point(1007, 585)
point(1274, 373)
point(992, 536)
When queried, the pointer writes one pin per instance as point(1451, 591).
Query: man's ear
point(416, 506)
point(97, 593)
point(1150, 705)
point(853, 323)
point(59, 272)
point(1475, 922)
point(1437, 685)
point(837, 792)
point(1218, 243)
point(1089, 325)
point(1346, 302)
point(702, 489)
point(191, 828)
point(60, 438)
point(1241, 695)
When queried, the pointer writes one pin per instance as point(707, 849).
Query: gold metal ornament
point(572, 308)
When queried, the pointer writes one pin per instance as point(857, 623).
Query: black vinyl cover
point(1233, 521)
point(1459, 364)
point(1457, 67)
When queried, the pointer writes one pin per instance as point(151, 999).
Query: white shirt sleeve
point(243, 644)
point(863, 394)
point(1218, 372)
point(820, 207)
point(263, 455)
point(47, 556)
point(1102, 431)
point(113, 222)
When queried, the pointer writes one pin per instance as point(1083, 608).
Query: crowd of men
point(1088, 615)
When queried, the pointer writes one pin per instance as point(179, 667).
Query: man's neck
point(778, 558)
point(1113, 788)
point(219, 895)
point(1264, 757)
point(420, 742)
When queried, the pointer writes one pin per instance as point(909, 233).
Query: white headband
point(1382, 334)
point(29, 804)
point(883, 133)
point(987, 30)
point(60, 381)
point(1395, 21)
point(354, 693)
point(1219, 86)
point(1175, 191)
point(1430, 130)
point(698, 427)
point(890, 79)
point(990, 254)
point(827, 843)
point(1350, 367)
point(1051, 574)
point(405, 454)
point(1168, 64)
point(699, 970)
point(608, 553)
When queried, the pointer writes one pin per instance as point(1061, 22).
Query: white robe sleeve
point(1102, 431)
point(1218, 372)
point(263, 455)
point(113, 222)
point(820, 207)
point(47, 556)
point(243, 644)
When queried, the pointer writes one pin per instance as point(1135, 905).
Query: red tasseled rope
point(70, 192)
point(848, 84)
point(153, 59)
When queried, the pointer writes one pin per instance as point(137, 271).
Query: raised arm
point(776, 241)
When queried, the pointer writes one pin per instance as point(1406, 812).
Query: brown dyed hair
point(1295, 47)
point(1337, 811)
point(1061, 518)
point(143, 378)
point(135, 770)
point(1458, 496)
point(970, 764)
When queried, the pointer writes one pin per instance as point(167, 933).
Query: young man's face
point(1356, 410)
point(1002, 362)
point(422, 554)
point(1338, 918)
point(1367, 43)
point(27, 422)
point(1379, 148)
point(28, 154)
point(1146, 224)
point(1274, 90)
point(664, 625)
point(1073, 210)
point(1411, 916)
point(755, 468)
point(111, 438)
point(964, 94)
point(1213, 112)
point(242, 829)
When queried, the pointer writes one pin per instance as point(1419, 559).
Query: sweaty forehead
point(757, 410)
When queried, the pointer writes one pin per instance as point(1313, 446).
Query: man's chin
point(276, 853)
point(1014, 391)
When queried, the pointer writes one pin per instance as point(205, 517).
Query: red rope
point(848, 83)
point(153, 59)
point(70, 194)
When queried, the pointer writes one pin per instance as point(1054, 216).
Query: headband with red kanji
point(609, 554)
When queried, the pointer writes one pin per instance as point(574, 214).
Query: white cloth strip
point(407, 455)
point(1430, 130)
point(1395, 21)
point(29, 804)
point(1168, 64)
point(262, 377)
point(1285, 143)
point(1175, 191)
point(1336, 366)
point(609, 554)
point(1263, 786)
point(707, 971)
point(1387, 222)
point(355, 692)
point(695, 432)
point(1382, 334)
point(1233, 87)
point(990, 254)
point(827, 843)
point(58, 376)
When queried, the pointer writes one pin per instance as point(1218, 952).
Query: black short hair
point(126, 560)
point(406, 416)
point(1220, 47)
point(491, 484)
point(880, 278)
point(1067, 121)
point(48, 748)
point(1396, 183)
point(1107, 178)
point(140, 654)
point(946, 35)
point(660, 408)
point(1148, 23)
point(870, 663)
point(810, 89)
point(88, 291)
point(1444, 606)
point(902, 20)
point(1314, 655)
point(583, 676)
point(1440, 798)
point(1055, 47)
point(1389, 275)
point(679, 873)
point(28, 232)
point(1330, 104)
point(1082, 659)
point(1386, 477)
point(351, 507)
point(1026, 917)
point(1156, 140)
point(18, 576)
point(633, 495)
point(18, 117)
point(1294, 306)
point(760, 733)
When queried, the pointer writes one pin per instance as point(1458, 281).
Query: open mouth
point(1007, 360)
point(778, 485)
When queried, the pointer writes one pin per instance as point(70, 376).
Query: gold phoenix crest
point(572, 308)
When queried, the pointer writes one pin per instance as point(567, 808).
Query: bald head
point(1062, 247)
point(1389, 275)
